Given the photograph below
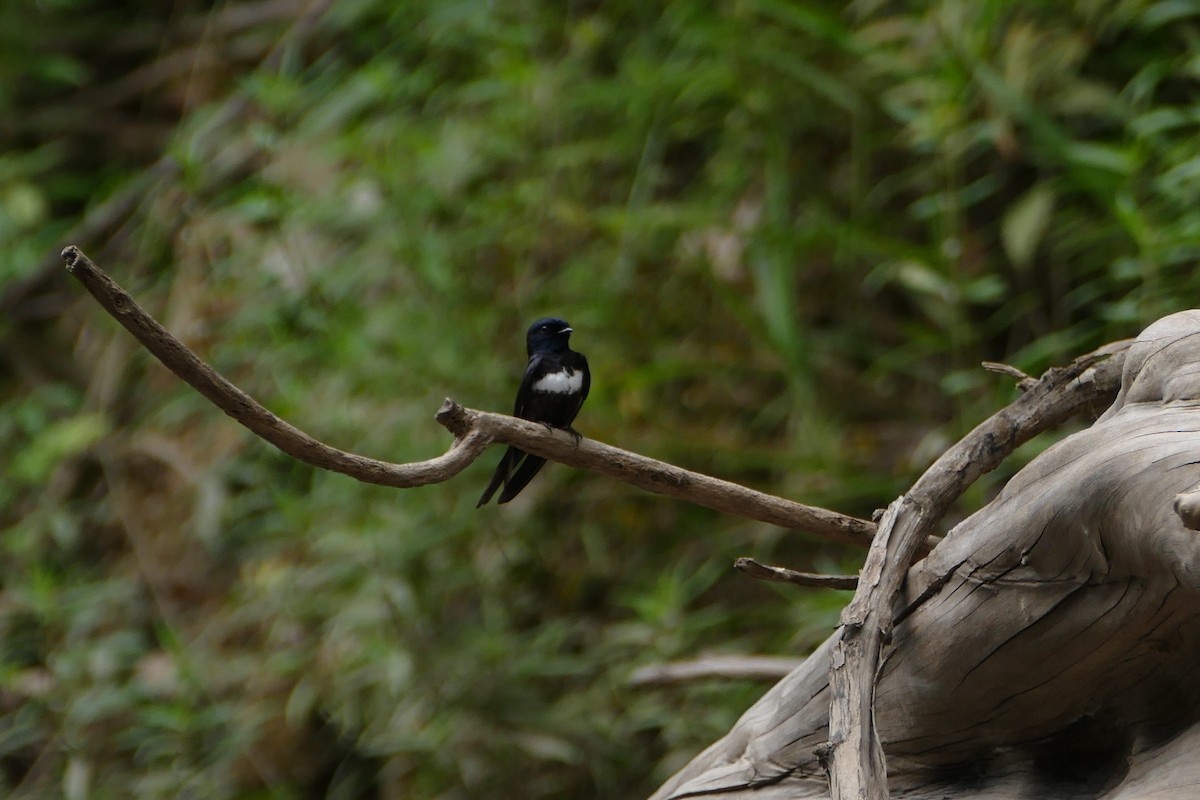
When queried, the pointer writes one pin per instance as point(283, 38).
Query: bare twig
point(755, 668)
point(860, 772)
point(783, 575)
point(1024, 382)
point(474, 430)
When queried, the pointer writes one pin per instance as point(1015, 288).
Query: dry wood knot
point(454, 417)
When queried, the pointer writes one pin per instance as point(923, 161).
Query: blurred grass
point(786, 234)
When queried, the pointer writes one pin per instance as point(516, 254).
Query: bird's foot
point(578, 436)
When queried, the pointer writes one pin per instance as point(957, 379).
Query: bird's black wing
point(512, 456)
point(535, 369)
point(518, 466)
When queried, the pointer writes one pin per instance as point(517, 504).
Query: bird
point(555, 384)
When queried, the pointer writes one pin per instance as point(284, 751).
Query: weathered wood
point(854, 757)
point(1049, 647)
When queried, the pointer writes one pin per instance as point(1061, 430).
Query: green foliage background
point(786, 234)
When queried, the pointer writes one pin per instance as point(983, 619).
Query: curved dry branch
point(248, 411)
point(474, 431)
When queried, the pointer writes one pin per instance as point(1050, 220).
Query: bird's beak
point(568, 330)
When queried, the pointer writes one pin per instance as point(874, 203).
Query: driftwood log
point(1049, 646)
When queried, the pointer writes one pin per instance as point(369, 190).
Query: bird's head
point(548, 335)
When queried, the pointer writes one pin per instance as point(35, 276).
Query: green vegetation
point(786, 234)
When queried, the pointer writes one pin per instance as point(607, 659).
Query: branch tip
point(456, 418)
point(1024, 382)
point(783, 575)
point(71, 256)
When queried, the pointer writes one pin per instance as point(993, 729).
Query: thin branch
point(658, 476)
point(474, 430)
point(1024, 382)
point(754, 668)
point(783, 575)
point(860, 771)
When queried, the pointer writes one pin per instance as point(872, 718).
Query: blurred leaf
point(58, 441)
point(1025, 222)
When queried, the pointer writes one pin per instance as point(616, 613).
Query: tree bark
point(1048, 647)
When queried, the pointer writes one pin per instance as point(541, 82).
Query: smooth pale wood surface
point(1049, 646)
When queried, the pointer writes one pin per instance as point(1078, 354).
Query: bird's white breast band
point(564, 382)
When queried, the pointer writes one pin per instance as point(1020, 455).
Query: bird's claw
point(549, 428)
